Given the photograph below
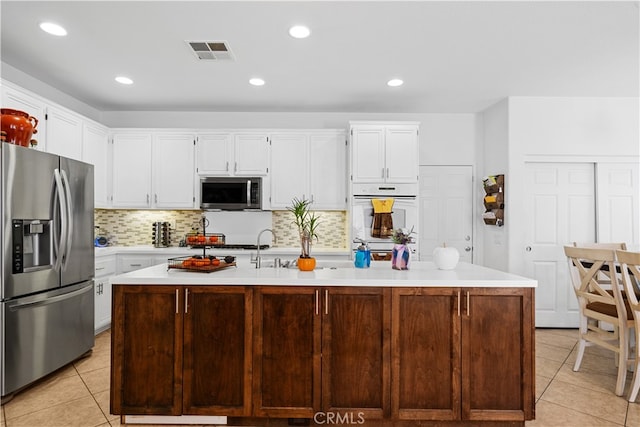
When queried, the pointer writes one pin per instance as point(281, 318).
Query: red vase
point(18, 126)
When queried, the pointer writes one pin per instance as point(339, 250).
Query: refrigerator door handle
point(62, 200)
point(69, 209)
point(47, 301)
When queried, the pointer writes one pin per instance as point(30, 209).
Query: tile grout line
point(92, 396)
point(626, 415)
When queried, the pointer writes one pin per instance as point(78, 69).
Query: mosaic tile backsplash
point(125, 227)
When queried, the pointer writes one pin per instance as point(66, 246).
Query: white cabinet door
point(367, 161)
point(105, 267)
point(214, 154)
point(64, 133)
point(251, 152)
point(327, 171)
point(384, 153)
point(96, 150)
point(401, 155)
point(18, 100)
point(132, 170)
point(173, 166)
point(289, 169)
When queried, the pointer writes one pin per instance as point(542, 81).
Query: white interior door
point(446, 211)
point(561, 210)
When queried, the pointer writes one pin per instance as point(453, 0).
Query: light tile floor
point(78, 395)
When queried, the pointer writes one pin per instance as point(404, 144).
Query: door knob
point(467, 249)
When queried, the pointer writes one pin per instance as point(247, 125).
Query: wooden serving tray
point(179, 263)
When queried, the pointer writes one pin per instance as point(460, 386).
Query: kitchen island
point(337, 345)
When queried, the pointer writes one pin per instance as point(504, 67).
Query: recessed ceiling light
point(124, 80)
point(299, 31)
point(395, 82)
point(52, 28)
point(256, 81)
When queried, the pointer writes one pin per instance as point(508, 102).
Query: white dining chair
point(600, 301)
point(630, 269)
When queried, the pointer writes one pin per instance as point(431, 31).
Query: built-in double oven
point(404, 214)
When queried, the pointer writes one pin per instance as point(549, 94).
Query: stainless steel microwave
point(231, 193)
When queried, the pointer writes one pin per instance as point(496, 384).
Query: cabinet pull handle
point(317, 302)
point(468, 310)
point(177, 304)
point(227, 169)
point(147, 199)
point(135, 265)
point(99, 268)
point(383, 172)
point(186, 301)
point(387, 172)
point(156, 197)
point(458, 303)
point(235, 167)
point(326, 301)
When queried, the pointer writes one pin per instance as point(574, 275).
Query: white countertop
point(177, 250)
point(421, 273)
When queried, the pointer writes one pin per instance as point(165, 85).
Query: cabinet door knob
point(467, 249)
point(528, 249)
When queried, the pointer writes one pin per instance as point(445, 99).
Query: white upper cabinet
point(21, 101)
point(328, 170)
point(153, 170)
point(232, 154)
point(214, 154)
point(96, 150)
point(309, 165)
point(173, 163)
point(289, 168)
point(132, 170)
point(64, 133)
point(251, 152)
point(384, 153)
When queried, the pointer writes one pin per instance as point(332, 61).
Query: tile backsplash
point(133, 227)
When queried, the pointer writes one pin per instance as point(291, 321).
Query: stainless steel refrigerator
point(47, 300)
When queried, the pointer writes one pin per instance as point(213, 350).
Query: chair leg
point(622, 372)
point(622, 361)
point(581, 345)
point(635, 383)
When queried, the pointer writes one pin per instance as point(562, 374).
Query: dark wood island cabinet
point(372, 355)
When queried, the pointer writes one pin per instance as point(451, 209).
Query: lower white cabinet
point(127, 263)
point(105, 268)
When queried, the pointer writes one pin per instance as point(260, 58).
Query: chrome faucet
point(258, 260)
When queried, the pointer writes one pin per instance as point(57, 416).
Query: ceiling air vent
point(215, 50)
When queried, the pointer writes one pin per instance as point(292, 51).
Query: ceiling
point(454, 57)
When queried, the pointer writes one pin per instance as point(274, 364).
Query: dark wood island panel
point(379, 356)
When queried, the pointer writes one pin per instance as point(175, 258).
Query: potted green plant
point(307, 223)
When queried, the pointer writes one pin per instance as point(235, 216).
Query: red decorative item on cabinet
point(18, 126)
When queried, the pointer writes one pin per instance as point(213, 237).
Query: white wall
point(50, 93)
point(448, 139)
point(492, 240)
point(574, 126)
point(596, 130)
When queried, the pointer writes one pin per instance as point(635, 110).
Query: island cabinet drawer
point(463, 354)
point(321, 350)
point(105, 266)
point(182, 350)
